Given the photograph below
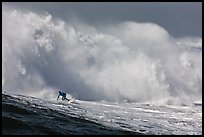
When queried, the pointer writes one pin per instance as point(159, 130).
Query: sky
point(180, 19)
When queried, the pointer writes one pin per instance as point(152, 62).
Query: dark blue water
point(21, 117)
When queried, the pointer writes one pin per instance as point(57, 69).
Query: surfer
point(63, 95)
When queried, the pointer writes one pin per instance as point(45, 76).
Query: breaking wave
point(127, 61)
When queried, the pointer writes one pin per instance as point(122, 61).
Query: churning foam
point(131, 61)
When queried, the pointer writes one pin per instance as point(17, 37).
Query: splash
point(138, 62)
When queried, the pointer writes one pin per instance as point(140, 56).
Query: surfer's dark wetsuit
point(63, 95)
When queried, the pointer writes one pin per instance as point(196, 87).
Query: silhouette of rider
point(63, 95)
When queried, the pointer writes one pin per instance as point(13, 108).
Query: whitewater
point(129, 76)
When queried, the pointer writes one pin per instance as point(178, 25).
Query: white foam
point(131, 61)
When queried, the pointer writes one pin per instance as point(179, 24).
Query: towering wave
point(127, 61)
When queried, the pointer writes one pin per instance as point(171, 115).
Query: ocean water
point(23, 116)
point(33, 116)
point(126, 77)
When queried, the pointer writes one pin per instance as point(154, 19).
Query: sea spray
point(137, 62)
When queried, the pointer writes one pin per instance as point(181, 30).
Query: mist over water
point(127, 61)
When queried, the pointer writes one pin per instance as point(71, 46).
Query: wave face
point(30, 115)
point(127, 61)
point(23, 115)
